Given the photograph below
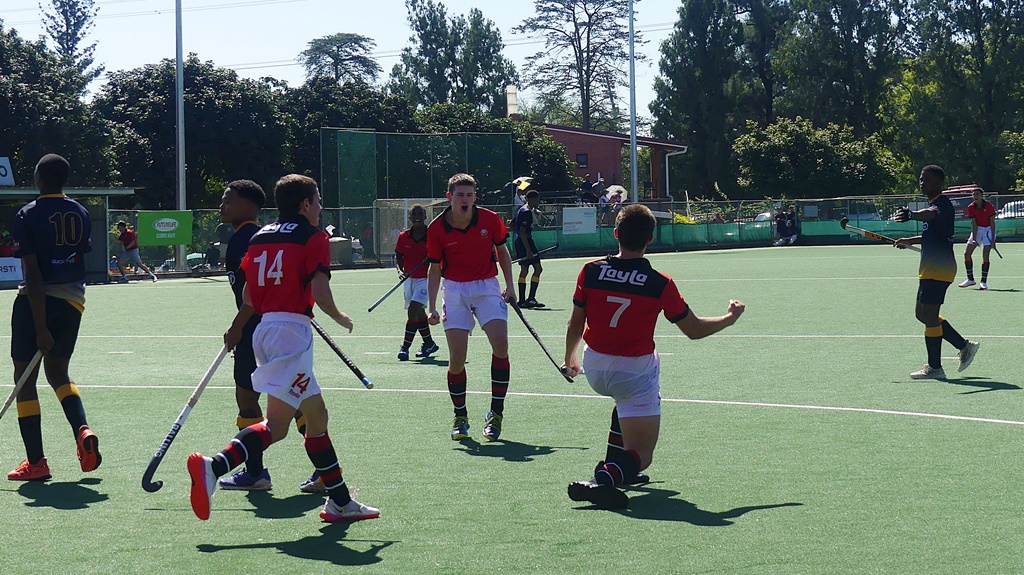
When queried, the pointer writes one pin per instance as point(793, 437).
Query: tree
point(1013, 143)
point(343, 57)
point(695, 101)
point(766, 27)
point(797, 160)
point(585, 52)
point(68, 25)
point(839, 65)
point(457, 60)
point(966, 80)
point(232, 130)
point(41, 112)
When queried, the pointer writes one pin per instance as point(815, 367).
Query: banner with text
point(165, 228)
point(579, 220)
point(10, 269)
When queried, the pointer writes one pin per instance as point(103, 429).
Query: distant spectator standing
point(792, 225)
point(131, 253)
point(586, 189)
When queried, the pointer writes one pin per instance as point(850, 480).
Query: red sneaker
point(30, 472)
point(88, 449)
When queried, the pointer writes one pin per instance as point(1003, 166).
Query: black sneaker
point(603, 496)
point(533, 303)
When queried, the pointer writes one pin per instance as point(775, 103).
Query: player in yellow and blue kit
point(937, 271)
point(51, 236)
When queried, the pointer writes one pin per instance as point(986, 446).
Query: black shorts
point(245, 358)
point(932, 292)
point(62, 319)
point(521, 252)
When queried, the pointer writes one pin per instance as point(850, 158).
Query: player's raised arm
point(696, 327)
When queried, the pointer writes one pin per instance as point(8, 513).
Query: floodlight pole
point(179, 98)
point(632, 111)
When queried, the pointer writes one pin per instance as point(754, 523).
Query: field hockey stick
point(845, 224)
point(147, 478)
point(533, 332)
point(323, 333)
point(21, 381)
point(543, 251)
point(397, 285)
point(997, 251)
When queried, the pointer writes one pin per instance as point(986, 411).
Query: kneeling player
point(617, 300)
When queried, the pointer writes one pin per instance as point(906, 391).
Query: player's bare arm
point(902, 243)
point(433, 286)
point(696, 327)
point(505, 262)
point(234, 333)
point(400, 265)
point(35, 289)
point(321, 289)
point(573, 336)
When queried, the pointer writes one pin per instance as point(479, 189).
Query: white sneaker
point(153, 276)
point(967, 283)
point(204, 483)
point(352, 511)
point(929, 372)
point(983, 285)
point(967, 354)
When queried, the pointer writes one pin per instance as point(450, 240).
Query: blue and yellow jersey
point(57, 230)
point(235, 253)
point(937, 260)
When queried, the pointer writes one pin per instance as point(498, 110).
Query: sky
point(263, 37)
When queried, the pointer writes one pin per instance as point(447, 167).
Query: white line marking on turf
point(376, 352)
point(581, 396)
point(121, 352)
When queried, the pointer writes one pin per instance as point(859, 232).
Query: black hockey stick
point(362, 378)
point(147, 478)
point(397, 285)
point(533, 332)
point(543, 251)
point(845, 224)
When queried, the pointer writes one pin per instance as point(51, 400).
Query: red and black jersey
point(983, 215)
point(468, 254)
point(129, 240)
point(413, 253)
point(280, 264)
point(623, 299)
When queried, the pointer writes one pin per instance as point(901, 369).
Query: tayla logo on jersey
point(632, 277)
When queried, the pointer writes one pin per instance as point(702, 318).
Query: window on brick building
point(581, 160)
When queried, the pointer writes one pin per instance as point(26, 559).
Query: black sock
point(30, 424)
point(254, 465)
point(624, 464)
point(457, 392)
point(614, 437)
point(969, 265)
point(949, 334)
point(534, 282)
point(934, 346)
point(71, 402)
point(984, 271)
point(321, 452)
point(424, 328)
point(522, 288)
point(410, 333)
point(500, 372)
point(247, 446)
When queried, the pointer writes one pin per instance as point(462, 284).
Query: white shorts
point(984, 237)
point(132, 257)
point(631, 381)
point(283, 345)
point(461, 301)
point(415, 291)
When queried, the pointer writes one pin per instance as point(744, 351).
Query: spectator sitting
point(717, 218)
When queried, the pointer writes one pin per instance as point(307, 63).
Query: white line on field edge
point(581, 396)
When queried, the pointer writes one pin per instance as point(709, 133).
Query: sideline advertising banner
point(10, 269)
point(579, 220)
point(165, 228)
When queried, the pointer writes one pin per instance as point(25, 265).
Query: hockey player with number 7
point(615, 308)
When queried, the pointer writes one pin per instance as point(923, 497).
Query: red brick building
point(600, 155)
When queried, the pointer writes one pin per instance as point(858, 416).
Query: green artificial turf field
point(793, 442)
